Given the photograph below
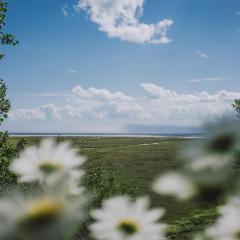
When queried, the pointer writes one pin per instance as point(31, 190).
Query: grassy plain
point(138, 160)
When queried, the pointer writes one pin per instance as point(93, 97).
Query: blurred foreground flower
point(213, 157)
point(228, 225)
point(121, 219)
point(176, 185)
point(41, 217)
point(47, 163)
point(209, 166)
point(60, 200)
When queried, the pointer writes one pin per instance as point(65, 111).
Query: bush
point(186, 228)
point(101, 184)
point(8, 151)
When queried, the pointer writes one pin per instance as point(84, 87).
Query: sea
point(157, 135)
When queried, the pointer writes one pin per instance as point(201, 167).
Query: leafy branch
point(5, 38)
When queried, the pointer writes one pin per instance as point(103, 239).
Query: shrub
point(187, 227)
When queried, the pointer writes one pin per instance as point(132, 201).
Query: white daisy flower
point(176, 185)
point(48, 160)
point(228, 225)
point(68, 184)
point(72, 183)
point(210, 162)
point(121, 219)
point(41, 217)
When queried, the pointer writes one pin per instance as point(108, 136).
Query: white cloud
point(209, 79)
point(65, 10)
point(201, 54)
point(158, 105)
point(158, 91)
point(27, 114)
point(99, 93)
point(163, 93)
point(121, 19)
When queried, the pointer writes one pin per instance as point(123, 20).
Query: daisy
point(68, 184)
point(212, 171)
point(228, 225)
point(45, 161)
point(210, 163)
point(176, 185)
point(41, 217)
point(122, 219)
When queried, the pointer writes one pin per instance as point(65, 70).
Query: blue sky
point(65, 50)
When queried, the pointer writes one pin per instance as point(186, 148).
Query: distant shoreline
point(157, 135)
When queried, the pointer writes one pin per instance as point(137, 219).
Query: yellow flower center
point(128, 227)
point(49, 167)
point(42, 212)
point(45, 206)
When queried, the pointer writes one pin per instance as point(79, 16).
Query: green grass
point(128, 165)
point(138, 161)
point(186, 228)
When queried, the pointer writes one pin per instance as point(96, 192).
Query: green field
point(136, 160)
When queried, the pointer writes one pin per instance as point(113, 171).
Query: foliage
point(5, 38)
point(236, 105)
point(102, 184)
point(186, 228)
point(4, 102)
point(8, 151)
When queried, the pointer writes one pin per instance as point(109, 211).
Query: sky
point(121, 65)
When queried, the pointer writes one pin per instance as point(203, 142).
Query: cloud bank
point(121, 19)
point(156, 106)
